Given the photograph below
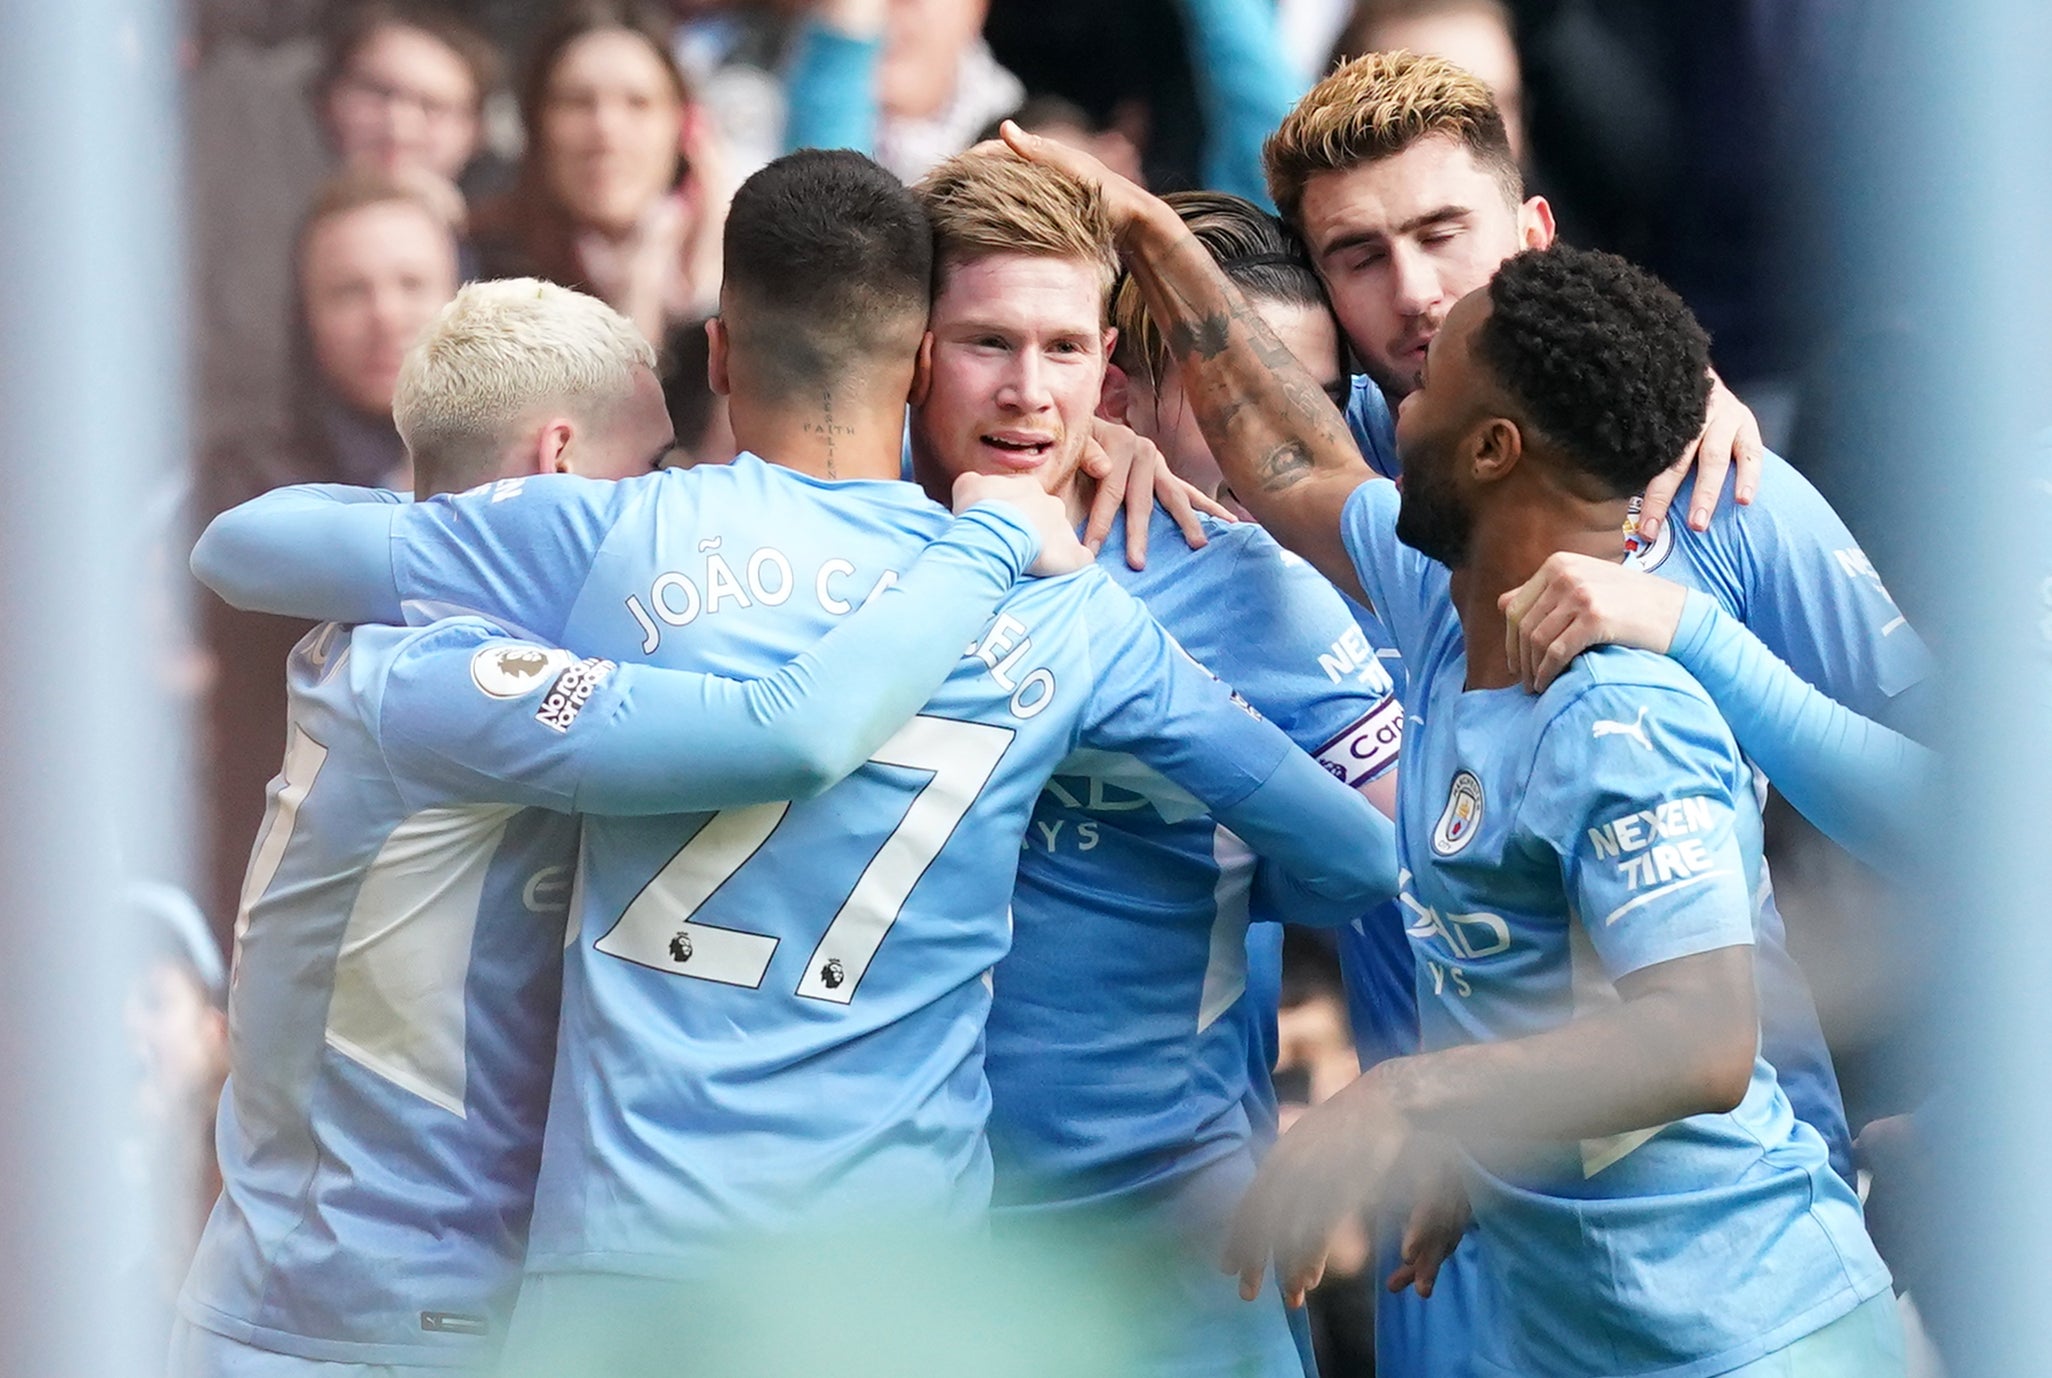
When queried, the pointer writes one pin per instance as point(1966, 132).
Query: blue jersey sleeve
point(471, 715)
point(517, 551)
point(1400, 582)
point(1306, 662)
point(1859, 783)
point(1373, 426)
point(1788, 568)
point(321, 551)
point(1154, 703)
point(1636, 787)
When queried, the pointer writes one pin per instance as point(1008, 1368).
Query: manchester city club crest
point(1462, 815)
point(1646, 555)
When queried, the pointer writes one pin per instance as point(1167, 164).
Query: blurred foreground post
point(1961, 95)
point(92, 401)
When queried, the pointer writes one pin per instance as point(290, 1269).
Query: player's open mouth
point(1022, 450)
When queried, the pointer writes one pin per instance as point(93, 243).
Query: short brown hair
point(1375, 107)
point(1355, 38)
point(354, 188)
point(354, 27)
point(994, 203)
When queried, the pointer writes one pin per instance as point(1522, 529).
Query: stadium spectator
point(731, 54)
point(1478, 36)
point(374, 264)
point(1244, 87)
point(623, 190)
point(402, 90)
point(274, 109)
point(1064, 121)
point(909, 81)
point(914, 82)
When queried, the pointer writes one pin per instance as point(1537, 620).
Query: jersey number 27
point(658, 929)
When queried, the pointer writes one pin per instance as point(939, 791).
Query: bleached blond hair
point(494, 356)
point(1375, 107)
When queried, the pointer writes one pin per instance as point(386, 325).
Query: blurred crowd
point(352, 162)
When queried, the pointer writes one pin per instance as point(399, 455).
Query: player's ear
point(922, 372)
point(552, 447)
point(1496, 447)
point(1114, 399)
point(1535, 223)
point(716, 356)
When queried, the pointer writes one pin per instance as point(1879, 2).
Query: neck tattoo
point(827, 429)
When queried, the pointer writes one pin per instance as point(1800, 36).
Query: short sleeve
point(1398, 580)
point(1637, 788)
point(1153, 702)
point(517, 551)
point(468, 715)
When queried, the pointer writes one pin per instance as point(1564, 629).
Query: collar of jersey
point(887, 489)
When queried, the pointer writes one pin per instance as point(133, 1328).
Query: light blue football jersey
point(1552, 845)
point(395, 998)
point(1120, 1038)
point(1786, 567)
point(773, 1017)
point(392, 1017)
point(1132, 1028)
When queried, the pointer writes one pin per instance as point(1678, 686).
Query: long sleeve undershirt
point(1860, 783)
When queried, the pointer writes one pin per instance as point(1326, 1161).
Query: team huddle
point(653, 878)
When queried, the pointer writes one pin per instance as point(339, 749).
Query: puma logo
point(1636, 729)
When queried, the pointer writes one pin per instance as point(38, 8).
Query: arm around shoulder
point(316, 551)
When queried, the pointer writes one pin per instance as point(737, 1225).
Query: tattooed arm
point(1283, 446)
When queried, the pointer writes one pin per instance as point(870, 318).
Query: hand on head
point(1730, 439)
point(1127, 201)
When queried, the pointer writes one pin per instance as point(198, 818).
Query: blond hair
point(493, 355)
point(1375, 107)
point(994, 203)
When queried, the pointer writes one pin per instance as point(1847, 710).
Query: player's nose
point(1415, 279)
point(1025, 386)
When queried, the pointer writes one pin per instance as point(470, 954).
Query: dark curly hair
point(1602, 357)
